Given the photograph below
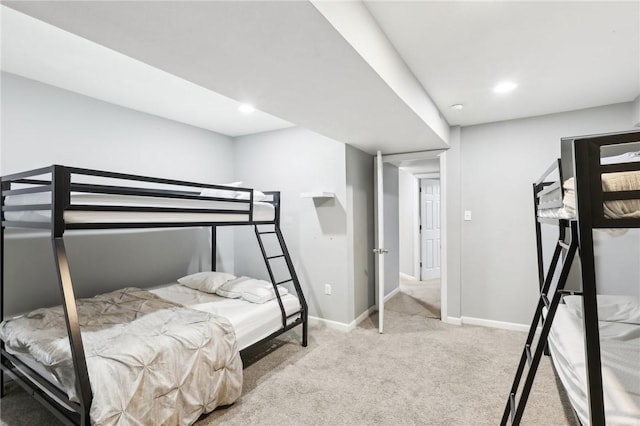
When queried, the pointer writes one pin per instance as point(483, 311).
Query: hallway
point(417, 298)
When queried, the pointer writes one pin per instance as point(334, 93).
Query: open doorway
point(420, 283)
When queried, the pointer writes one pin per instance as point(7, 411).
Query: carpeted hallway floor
point(419, 372)
point(416, 298)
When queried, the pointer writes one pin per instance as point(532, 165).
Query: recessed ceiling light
point(456, 107)
point(505, 87)
point(246, 108)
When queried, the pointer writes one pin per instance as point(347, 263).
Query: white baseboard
point(363, 316)
point(340, 326)
point(393, 293)
point(335, 325)
point(407, 277)
point(452, 320)
point(494, 324)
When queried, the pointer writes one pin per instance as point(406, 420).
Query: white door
point(379, 251)
point(430, 228)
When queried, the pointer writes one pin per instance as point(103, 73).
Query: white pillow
point(610, 308)
point(233, 289)
point(221, 193)
point(207, 281)
point(263, 294)
point(250, 289)
point(257, 195)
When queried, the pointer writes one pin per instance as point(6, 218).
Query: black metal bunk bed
point(582, 156)
point(60, 183)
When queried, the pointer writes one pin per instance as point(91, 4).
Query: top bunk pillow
point(208, 281)
point(610, 308)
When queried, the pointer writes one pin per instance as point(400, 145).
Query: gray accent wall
point(360, 228)
point(499, 163)
point(296, 161)
point(44, 125)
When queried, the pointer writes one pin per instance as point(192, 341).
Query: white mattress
point(621, 181)
point(261, 211)
point(620, 353)
point(252, 322)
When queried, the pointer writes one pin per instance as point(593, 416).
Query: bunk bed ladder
point(292, 278)
point(532, 353)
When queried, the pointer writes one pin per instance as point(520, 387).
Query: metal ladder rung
point(285, 281)
point(563, 244)
point(275, 257)
point(571, 292)
point(267, 232)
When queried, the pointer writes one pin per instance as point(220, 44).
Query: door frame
point(442, 155)
point(379, 250)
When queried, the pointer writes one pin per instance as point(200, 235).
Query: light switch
point(467, 215)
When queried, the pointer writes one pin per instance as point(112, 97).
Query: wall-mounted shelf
point(318, 194)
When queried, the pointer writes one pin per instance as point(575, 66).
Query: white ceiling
point(305, 63)
point(39, 51)
point(563, 55)
point(284, 57)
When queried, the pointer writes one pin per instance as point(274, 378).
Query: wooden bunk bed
point(592, 186)
point(61, 199)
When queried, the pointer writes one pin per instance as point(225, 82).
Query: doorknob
point(380, 250)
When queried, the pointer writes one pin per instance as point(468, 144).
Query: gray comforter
point(150, 361)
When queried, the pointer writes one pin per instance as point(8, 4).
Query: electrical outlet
point(467, 215)
point(327, 289)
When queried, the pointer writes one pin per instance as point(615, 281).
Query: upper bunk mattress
point(620, 352)
point(262, 212)
point(621, 181)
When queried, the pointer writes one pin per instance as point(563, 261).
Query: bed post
point(586, 158)
point(4, 186)
point(61, 184)
point(538, 236)
point(214, 242)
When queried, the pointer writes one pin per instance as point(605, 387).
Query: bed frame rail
point(587, 170)
point(61, 181)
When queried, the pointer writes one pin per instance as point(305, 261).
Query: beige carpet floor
point(416, 298)
point(419, 372)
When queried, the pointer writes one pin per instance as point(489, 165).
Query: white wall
point(636, 112)
point(409, 210)
point(391, 228)
point(295, 161)
point(453, 196)
point(360, 228)
point(44, 125)
point(499, 163)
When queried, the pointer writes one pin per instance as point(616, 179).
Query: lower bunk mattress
point(620, 353)
point(163, 356)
